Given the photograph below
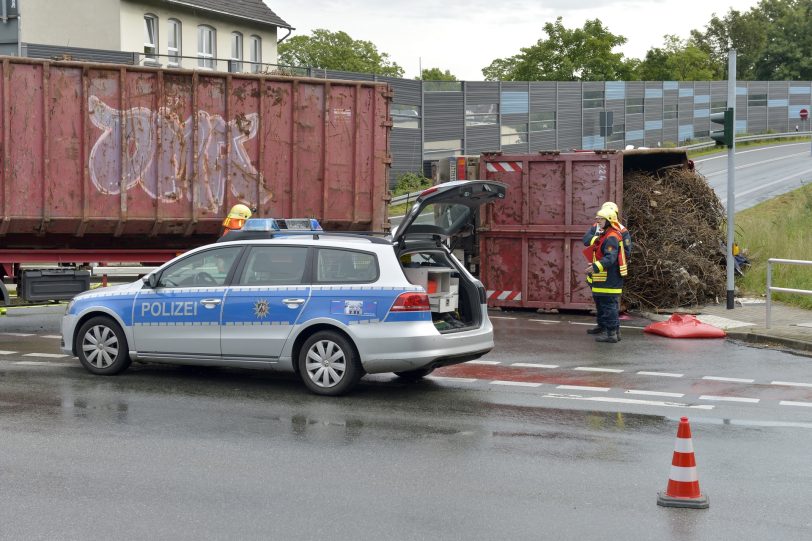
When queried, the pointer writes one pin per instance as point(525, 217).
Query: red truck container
point(112, 163)
point(530, 244)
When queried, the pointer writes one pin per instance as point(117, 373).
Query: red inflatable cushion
point(684, 326)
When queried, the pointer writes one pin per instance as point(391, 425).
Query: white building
point(234, 35)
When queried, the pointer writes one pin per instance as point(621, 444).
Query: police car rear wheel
point(328, 364)
point(102, 347)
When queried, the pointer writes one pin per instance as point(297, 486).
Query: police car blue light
point(329, 308)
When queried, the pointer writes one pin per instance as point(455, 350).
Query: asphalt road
point(761, 172)
point(496, 448)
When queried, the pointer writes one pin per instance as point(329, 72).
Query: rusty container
point(531, 244)
point(105, 156)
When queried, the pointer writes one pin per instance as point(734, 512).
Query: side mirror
point(151, 280)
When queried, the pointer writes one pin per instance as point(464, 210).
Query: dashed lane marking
point(515, 383)
point(630, 401)
point(597, 369)
point(490, 363)
point(592, 325)
point(40, 363)
point(583, 388)
point(18, 334)
point(534, 365)
point(548, 321)
point(791, 403)
point(7, 352)
point(501, 317)
point(729, 399)
point(655, 393)
point(663, 374)
point(46, 355)
point(54, 336)
point(732, 380)
point(791, 384)
point(454, 380)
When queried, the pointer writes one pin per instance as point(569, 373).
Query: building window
point(150, 37)
point(543, 121)
point(236, 52)
point(485, 114)
point(670, 111)
point(255, 53)
point(173, 42)
point(206, 46)
point(757, 100)
point(405, 116)
point(593, 99)
point(514, 133)
point(634, 106)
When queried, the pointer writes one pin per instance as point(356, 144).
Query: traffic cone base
point(683, 482)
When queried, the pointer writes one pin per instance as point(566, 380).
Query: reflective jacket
point(608, 264)
point(592, 235)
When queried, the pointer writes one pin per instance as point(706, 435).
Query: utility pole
point(731, 179)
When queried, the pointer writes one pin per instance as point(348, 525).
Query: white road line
point(40, 363)
point(791, 403)
point(663, 374)
point(545, 320)
point(54, 336)
point(501, 317)
point(770, 147)
point(583, 388)
point(729, 399)
point(18, 334)
point(534, 365)
point(581, 323)
point(7, 352)
point(734, 380)
point(484, 362)
point(596, 369)
point(630, 401)
point(515, 383)
point(451, 380)
point(753, 164)
point(655, 393)
point(768, 184)
point(46, 355)
point(791, 384)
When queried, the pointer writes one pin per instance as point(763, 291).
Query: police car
point(285, 295)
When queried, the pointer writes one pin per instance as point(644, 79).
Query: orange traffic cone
point(683, 482)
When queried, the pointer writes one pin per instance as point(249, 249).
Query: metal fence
point(771, 288)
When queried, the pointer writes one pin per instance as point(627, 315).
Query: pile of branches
point(676, 222)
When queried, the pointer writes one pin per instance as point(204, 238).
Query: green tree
point(677, 60)
point(580, 54)
point(337, 51)
point(436, 74)
point(787, 51)
point(746, 32)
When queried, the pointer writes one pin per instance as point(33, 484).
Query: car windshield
point(445, 217)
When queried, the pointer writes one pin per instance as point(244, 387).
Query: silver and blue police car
point(329, 307)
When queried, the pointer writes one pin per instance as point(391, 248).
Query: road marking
point(54, 336)
point(450, 380)
point(595, 369)
point(515, 383)
point(630, 401)
point(40, 363)
point(791, 384)
point(18, 334)
point(491, 363)
point(753, 164)
point(46, 355)
point(663, 374)
point(534, 365)
point(501, 317)
point(583, 388)
point(738, 152)
point(545, 320)
point(733, 380)
point(729, 399)
point(581, 323)
point(655, 393)
point(7, 352)
point(768, 184)
point(791, 403)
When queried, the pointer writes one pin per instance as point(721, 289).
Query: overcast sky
point(465, 36)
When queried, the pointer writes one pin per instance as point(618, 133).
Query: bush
point(411, 182)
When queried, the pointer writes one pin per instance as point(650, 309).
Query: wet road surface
point(182, 453)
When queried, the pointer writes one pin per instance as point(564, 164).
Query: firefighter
point(605, 274)
point(627, 238)
point(236, 218)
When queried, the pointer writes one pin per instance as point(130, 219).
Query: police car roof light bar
point(274, 224)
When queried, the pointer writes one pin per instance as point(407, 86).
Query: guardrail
point(405, 198)
point(743, 139)
point(770, 287)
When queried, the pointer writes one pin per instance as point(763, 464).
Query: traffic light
point(725, 135)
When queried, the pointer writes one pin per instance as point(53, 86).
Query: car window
point(345, 266)
point(274, 265)
point(203, 269)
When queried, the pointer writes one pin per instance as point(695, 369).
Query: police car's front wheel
point(328, 364)
point(102, 347)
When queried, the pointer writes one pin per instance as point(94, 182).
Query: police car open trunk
point(422, 240)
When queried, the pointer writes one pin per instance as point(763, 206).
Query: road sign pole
point(731, 179)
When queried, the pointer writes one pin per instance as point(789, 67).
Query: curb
point(771, 340)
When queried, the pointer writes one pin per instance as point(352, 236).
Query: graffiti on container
point(165, 173)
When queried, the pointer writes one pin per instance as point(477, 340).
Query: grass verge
point(766, 142)
point(778, 228)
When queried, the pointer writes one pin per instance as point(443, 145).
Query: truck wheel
point(328, 364)
point(102, 347)
point(414, 375)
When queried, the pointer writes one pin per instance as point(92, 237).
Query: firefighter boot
point(609, 336)
point(595, 330)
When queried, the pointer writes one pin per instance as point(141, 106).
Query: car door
point(265, 302)
point(181, 315)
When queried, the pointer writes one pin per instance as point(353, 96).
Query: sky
point(466, 36)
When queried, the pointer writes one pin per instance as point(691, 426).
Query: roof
point(255, 10)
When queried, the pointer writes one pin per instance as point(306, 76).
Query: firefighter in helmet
point(236, 218)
